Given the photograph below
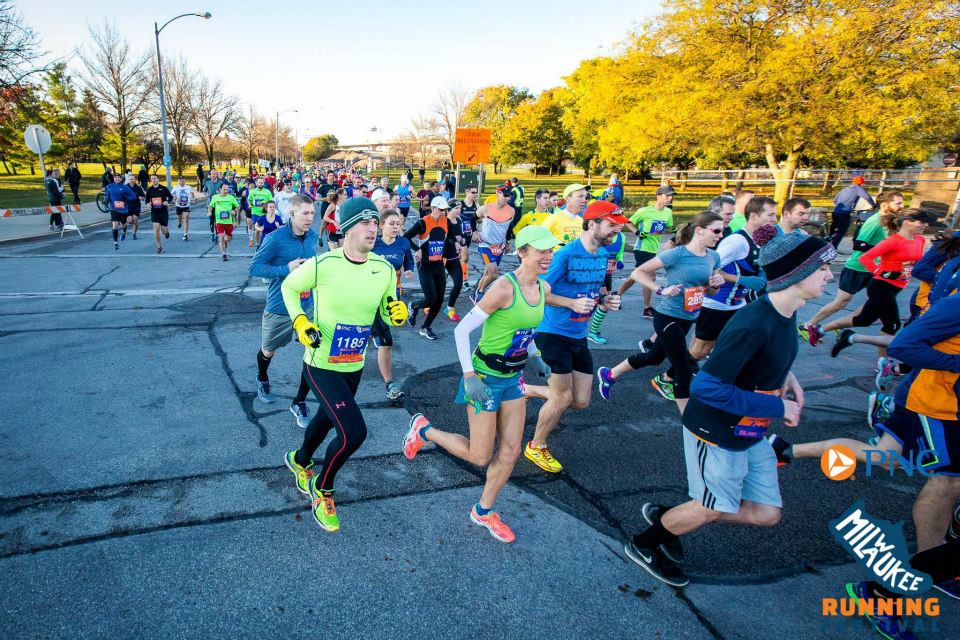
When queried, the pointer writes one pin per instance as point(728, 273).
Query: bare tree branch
point(19, 47)
point(215, 113)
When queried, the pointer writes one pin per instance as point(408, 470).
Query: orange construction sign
point(472, 146)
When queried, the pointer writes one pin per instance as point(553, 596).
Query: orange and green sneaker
point(302, 474)
point(541, 457)
point(492, 522)
point(324, 510)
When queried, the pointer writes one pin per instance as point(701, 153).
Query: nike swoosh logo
point(645, 558)
point(374, 272)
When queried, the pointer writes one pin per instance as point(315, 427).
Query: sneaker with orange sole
point(413, 442)
point(492, 522)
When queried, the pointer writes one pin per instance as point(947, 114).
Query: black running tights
point(433, 281)
point(671, 343)
point(338, 411)
point(455, 269)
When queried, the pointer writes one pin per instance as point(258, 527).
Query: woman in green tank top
point(492, 384)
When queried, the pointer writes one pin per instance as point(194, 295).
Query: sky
point(350, 67)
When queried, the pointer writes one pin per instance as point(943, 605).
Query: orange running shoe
point(413, 442)
point(497, 527)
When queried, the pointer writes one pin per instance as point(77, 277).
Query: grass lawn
point(27, 190)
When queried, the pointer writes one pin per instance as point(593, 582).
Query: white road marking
point(129, 292)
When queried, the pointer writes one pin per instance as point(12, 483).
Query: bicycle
point(816, 224)
point(102, 203)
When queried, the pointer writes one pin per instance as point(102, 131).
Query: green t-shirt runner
point(737, 222)
point(651, 223)
point(222, 207)
point(506, 332)
point(347, 295)
point(870, 233)
point(258, 199)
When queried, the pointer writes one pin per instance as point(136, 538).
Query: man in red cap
point(843, 205)
point(576, 277)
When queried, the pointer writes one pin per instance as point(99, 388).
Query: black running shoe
point(652, 513)
point(657, 564)
point(648, 312)
point(843, 341)
point(953, 531)
point(428, 333)
point(780, 447)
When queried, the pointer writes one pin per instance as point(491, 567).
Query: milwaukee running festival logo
point(838, 462)
point(879, 546)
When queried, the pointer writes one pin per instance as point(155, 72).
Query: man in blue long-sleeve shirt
point(731, 466)
point(283, 251)
point(119, 198)
point(843, 206)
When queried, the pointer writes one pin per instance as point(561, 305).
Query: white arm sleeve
point(461, 334)
point(532, 347)
point(733, 247)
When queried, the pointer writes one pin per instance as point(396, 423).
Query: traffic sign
point(37, 138)
point(472, 146)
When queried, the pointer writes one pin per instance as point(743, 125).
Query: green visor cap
point(537, 237)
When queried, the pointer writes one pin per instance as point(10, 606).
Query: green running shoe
point(302, 474)
point(324, 510)
point(663, 387)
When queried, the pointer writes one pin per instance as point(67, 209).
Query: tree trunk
point(123, 152)
point(825, 187)
point(6, 168)
point(782, 172)
point(210, 155)
point(535, 167)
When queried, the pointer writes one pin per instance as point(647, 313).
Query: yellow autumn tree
point(778, 82)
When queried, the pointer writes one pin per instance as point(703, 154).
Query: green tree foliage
point(19, 106)
point(536, 134)
point(320, 147)
point(492, 108)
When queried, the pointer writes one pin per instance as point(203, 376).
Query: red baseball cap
point(602, 209)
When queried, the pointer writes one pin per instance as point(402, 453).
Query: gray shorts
point(276, 330)
point(720, 478)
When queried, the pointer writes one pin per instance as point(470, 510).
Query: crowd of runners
point(736, 276)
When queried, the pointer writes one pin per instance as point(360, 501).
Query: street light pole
point(163, 107)
point(276, 135)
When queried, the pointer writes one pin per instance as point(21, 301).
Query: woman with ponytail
point(691, 273)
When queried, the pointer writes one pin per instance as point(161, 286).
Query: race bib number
point(583, 317)
point(223, 215)
point(156, 202)
point(906, 271)
point(348, 343)
point(693, 299)
point(467, 229)
point(258, 202)
point(496, 249)
point(435, 249)
point(611, 265)
point(518, 346)
point(754, 428)
point(120, 205)
point(657, 227)
point(305, 295)
point(184, 201)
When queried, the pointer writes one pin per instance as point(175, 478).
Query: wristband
point(659, 291)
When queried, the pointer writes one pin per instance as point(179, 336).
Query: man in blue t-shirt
point(575, 277)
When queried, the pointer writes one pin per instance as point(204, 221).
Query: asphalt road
point(143, 492)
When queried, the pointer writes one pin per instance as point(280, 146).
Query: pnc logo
point(838, 462)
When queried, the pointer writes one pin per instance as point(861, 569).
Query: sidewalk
point(23, 227)
point(35, 226)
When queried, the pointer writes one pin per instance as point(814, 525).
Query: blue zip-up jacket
point(270, 261)
point(927, 267)
point(119, 192)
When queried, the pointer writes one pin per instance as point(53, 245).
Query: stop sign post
point(37, 139)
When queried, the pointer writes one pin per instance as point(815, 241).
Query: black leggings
point(455, 269)
point(671, 344)
point(839, 223)
point(433, 282)
point(335, 390)
point(881, 305)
